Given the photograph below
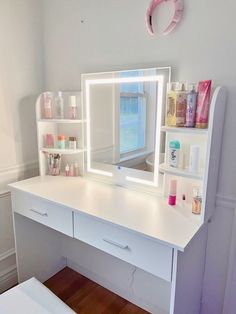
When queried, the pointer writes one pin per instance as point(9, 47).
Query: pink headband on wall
point(179, 8)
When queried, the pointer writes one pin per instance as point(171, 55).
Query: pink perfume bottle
point(47, 106)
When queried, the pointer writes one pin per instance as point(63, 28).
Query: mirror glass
point(124, 114)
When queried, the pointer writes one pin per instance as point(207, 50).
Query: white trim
point(224, 201)
point(229, 297)
point(20, 167)
point(16, 173)
point(8, 278)
point(7, 254)
point(4, 194)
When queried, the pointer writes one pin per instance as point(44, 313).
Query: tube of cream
point(203, 104)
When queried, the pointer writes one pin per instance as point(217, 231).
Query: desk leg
point(38, 249)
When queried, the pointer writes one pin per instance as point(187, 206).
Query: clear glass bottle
point(197, 201)
point(47, 106)
point(59, 106)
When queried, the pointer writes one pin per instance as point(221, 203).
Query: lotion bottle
point(181, 104)
point(73, 114)
point(191, 107)
point(171, 104)
point(194, 158)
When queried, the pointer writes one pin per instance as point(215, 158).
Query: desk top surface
point(142, 213)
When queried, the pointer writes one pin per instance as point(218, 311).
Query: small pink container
point(172, 193)
point(49, 140)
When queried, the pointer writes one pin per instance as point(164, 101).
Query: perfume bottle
point(197, 201)
point(47, 106)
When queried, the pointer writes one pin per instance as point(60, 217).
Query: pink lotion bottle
point(172, 193)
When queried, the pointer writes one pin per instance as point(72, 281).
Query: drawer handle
point(121, 246)
point(39, 212)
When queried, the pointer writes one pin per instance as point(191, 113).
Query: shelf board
point(184, 130)
point(61, 151)
point(62, 121)
point(180, 172)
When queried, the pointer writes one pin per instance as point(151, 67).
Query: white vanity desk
point(70, 221)
point(135, 227)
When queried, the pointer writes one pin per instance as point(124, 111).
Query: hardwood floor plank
point(87, 297)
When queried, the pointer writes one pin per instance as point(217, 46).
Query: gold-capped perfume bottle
point(197, 201)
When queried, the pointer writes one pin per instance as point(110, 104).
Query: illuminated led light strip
point(153, 78)
point(89, 169)
point(135, 79)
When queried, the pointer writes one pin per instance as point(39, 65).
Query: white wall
point(21, 79)
point(86, 36)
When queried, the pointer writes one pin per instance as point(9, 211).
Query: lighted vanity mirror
point(124, 113)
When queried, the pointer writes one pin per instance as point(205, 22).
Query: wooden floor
point(86, 297)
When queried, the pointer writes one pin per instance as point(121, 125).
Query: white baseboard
point(8, 278)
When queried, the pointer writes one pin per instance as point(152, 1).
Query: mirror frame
point(87, 82)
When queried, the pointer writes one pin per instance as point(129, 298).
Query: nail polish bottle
point(172, 193)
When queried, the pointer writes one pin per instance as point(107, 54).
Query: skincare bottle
point(72, 142)
point(203, 104)
point(171, 104)
point(191, 107)
point(59, 106)
point(49, 140)
point(181, 104)
point(71, 171)
point(183, 200)
point(73, 114)
point(67, 170)
point(197, 201)
point(47, 106)
point(61, 142)
point(172, 192)
point(76, 169)
point(174, 148)
point(194, 158)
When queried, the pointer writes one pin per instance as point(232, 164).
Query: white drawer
point(45, 212)
point(129, 246)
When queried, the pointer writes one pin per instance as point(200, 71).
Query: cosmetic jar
point(61, 142)
point(72, 142)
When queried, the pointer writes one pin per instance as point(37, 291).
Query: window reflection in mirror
point(124, 114)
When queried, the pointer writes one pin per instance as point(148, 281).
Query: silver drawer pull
point(39, 212)
point(121, 246)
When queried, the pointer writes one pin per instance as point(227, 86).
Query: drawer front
point(49, 214)
point(133, 248)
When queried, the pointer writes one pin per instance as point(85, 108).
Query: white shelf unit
point(209, 142)
point(67, 127)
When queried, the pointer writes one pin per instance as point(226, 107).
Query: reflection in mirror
point(124, 115)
